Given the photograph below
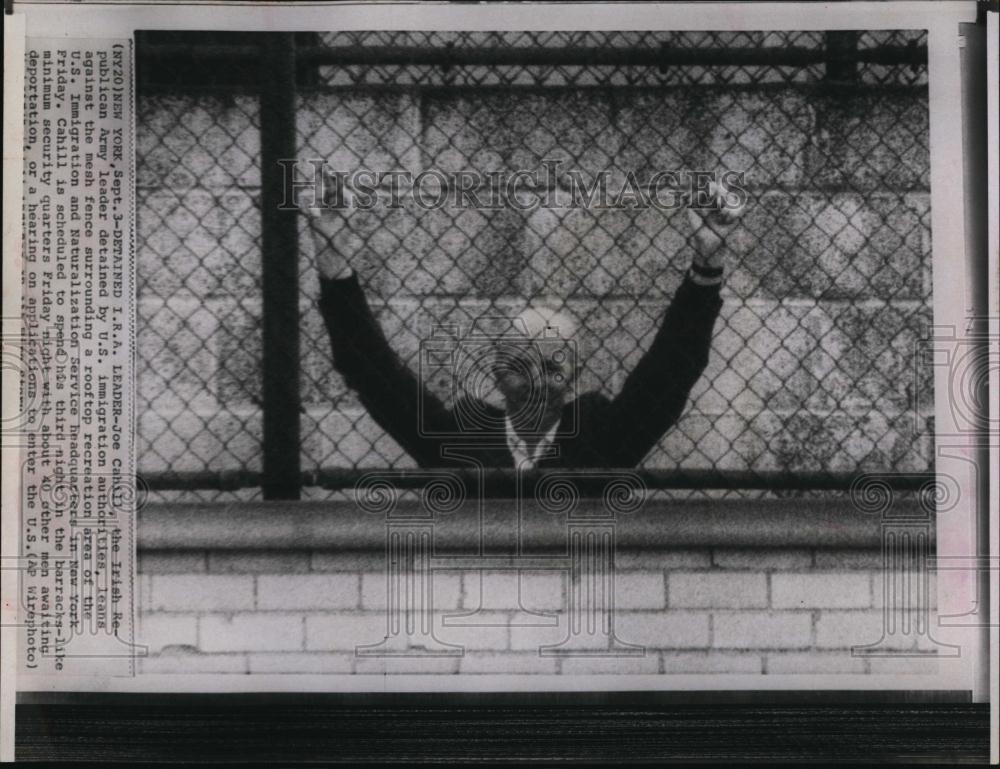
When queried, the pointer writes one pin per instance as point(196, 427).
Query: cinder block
point(687, 663)
point(204, 243)
point(399, 665)
point(761, 361)
point(310, 591)
point(844, 629)
point(207, 592)
point(552, 640)
point(624, 665)
point(187, 661)
point(531, 638)
point(228, 130)
point(848, 559)
point(663, 559)
point(360, 129)
point(322, 385)
point(531, 590)
point(717, 590)
point(603, 253)
point(729, 441)
point(658, 134)
point(619, 332)
point(302, 662)
point(258, 562)
point(202, 139)
point(239, 347)
point(905, 665)
point(240, 433)
point(765, 132)
point(761, 630)
point(501, 132)
point(156, 448)
point(251, 631)
point(663, 630)
point(506, 663)
point(208, 438)
point(177, 364)
point(446, 592)
point(820, 590)
point(871, 140)
point(762, 558)
point(919, 593)
point(841, 442)
point(873, 349)
point(344, 631)
point(342, 436)
point(484, 630)
point(345, 560)
point(813, 662)
point(831, 246)
point(446, 251)
point(639, 590)
point(158, 631)
point(170, 562)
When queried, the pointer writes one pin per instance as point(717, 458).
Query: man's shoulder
point(477, 416)
point(586, 407)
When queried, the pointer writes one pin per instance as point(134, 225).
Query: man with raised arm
point(541, 424)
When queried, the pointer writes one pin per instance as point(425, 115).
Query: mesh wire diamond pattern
point(827, 296)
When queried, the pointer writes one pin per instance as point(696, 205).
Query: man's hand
point(325, 223)
point(712, 227)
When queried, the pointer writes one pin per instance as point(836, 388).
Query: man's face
point(533, 377)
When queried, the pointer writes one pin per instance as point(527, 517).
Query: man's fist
point(325, 223)
point(711, 227)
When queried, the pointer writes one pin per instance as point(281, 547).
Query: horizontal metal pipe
point(605, 57)
point(494, 528)
point(500, 482)
point(664, 56)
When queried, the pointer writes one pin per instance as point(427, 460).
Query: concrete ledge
point(785, 523)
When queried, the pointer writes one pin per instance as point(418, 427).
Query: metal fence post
point(282, 462)
point(241, 86)
point(842, 48)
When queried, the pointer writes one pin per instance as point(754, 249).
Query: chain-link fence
point(811, 372)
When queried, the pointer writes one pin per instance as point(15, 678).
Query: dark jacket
point(594, 431)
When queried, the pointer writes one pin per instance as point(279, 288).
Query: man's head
point(535, 366)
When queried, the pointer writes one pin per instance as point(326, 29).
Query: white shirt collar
point(519, 447)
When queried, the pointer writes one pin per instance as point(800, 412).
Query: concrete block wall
point(758, 611)
point(812, 366)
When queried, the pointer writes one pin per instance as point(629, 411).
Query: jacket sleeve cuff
point(335, 288)
point(701, 285)
point(703, 277)
point(342, 302)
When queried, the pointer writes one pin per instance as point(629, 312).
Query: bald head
point(535, 367)
point(543, 321)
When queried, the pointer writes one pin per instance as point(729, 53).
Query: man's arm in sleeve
point(386, 386)
point(656, 391)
